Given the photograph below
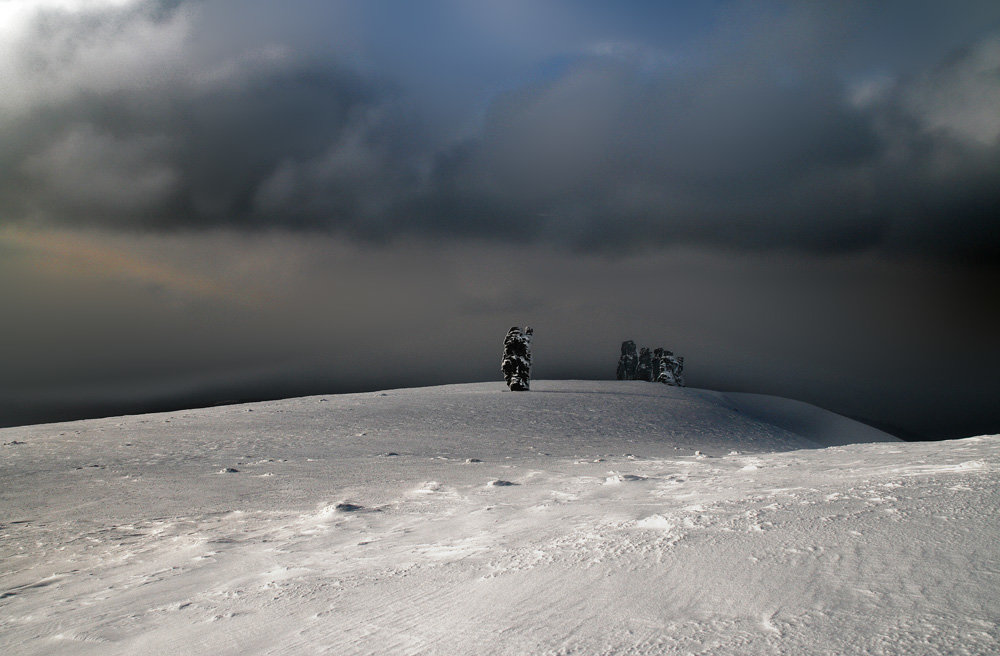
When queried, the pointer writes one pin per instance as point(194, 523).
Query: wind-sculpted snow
point(601, 518)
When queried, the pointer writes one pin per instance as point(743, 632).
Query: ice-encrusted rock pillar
point(678, 367)
point(644, 370)
point(671, 369)
point(628, 361)
point(666, 374)
point(529, 332)
point(516, 362)
point(657, 364)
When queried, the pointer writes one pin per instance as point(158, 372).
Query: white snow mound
point(586, 524)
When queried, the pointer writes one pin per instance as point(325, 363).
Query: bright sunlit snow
point(578, 518)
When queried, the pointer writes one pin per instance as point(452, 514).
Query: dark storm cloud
point(770, 127)
point(747, 155)
point(605, 156)
point(205, 143)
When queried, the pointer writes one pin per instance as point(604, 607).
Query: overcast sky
point(209, 200)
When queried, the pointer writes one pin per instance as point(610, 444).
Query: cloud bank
point(769, 126)
point(105, 322)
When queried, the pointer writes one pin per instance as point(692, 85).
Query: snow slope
point(466, 519)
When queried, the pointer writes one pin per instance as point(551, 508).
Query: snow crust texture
point(441, 521)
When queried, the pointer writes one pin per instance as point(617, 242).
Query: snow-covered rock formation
point(516, 362)
point(659, 365)
point(628, 361)
point(671, 369)
point(644, 368)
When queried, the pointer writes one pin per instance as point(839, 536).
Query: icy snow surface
point(578, 518)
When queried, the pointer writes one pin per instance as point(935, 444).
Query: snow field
point(429, 522)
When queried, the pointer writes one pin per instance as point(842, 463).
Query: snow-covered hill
point(581, 517)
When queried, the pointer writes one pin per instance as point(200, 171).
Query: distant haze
point(213, 201)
